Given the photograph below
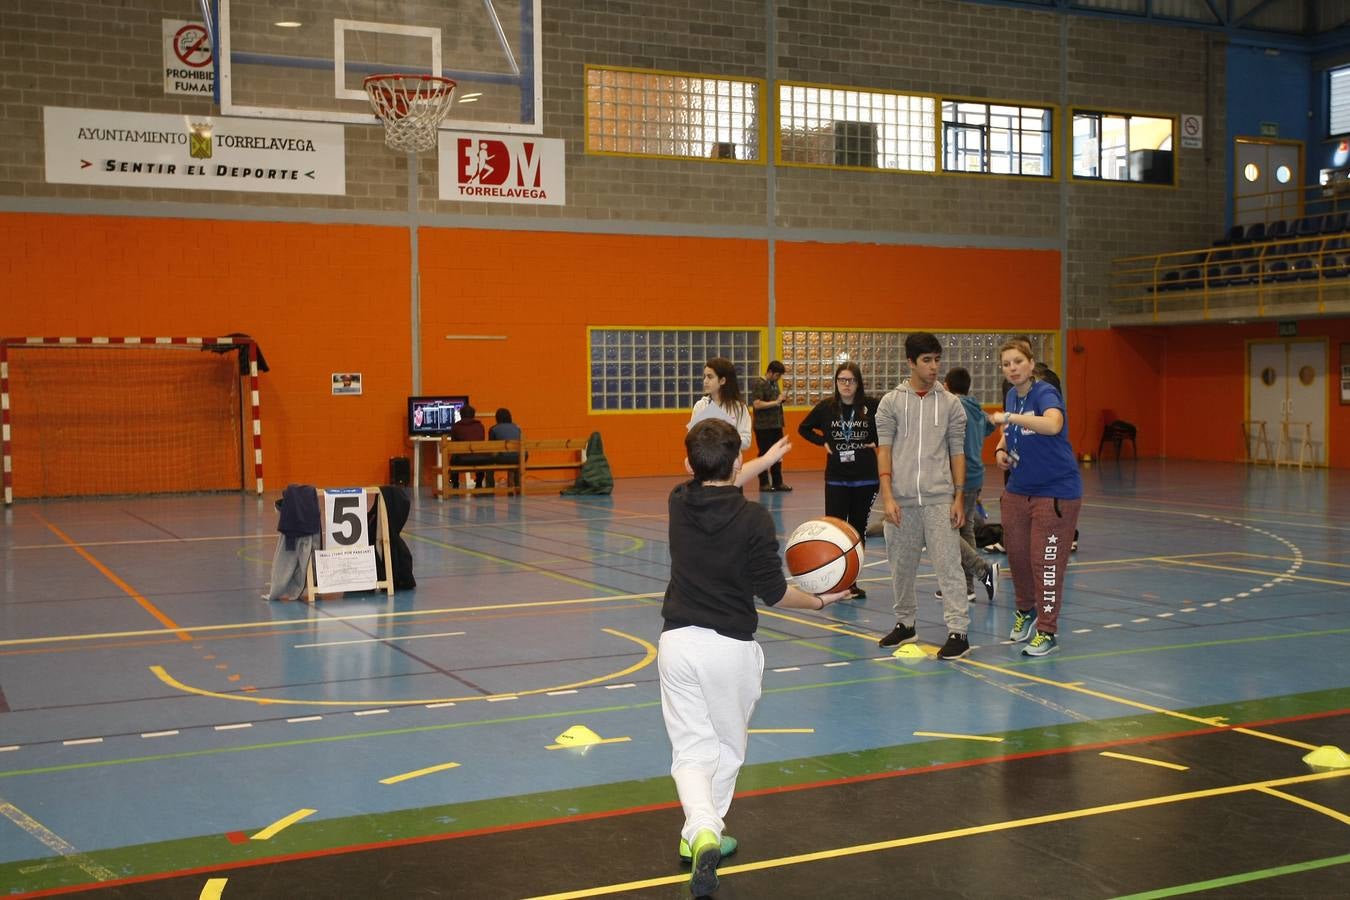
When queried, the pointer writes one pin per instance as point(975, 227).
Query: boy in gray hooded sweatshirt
point(921, 459)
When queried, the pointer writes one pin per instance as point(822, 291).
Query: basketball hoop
point(411, 107)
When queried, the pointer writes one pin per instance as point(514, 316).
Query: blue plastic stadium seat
point(1277, 230)
point(1190, 279)
point(1256, 232)
point(1279, 270)
point(1305, 269)
point(1334, 223)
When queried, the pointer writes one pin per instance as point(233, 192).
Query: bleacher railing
point(1309, 266)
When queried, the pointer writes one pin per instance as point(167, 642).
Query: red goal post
point(71, 400)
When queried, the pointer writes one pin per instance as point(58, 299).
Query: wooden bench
point(556, 455)
point(468, 472)
point(547, 455)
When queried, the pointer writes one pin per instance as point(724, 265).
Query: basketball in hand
point(824, 555)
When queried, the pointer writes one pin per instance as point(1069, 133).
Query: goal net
point(88, 416)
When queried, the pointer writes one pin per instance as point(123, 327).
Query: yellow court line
point(1307, 561)
point(276, 827)
point(528, 567)
point(54, 842)
point(1315, 807)
point(649, 656)
point(429, 770)
point(959, 737)
point(971, 831)
point(782, 731)
point(618, 740)
point(330, 620)
point(213, 889)
point(1260, 572)
point(126, 588)
point(1275, 737)
point(1145, 760)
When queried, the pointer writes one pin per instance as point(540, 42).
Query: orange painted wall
point(319, 299)
point(331, 298)
point(1185, 386)
point(907, 287)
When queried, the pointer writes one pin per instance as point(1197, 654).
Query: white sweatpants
point(709, 687)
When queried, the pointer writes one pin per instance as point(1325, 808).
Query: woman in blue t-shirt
point(1041, 500)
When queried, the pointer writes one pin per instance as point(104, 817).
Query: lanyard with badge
point(1013, 433)
point(849, 455)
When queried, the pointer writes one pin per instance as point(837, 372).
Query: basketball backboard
point(306, 59)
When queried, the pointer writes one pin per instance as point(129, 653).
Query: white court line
point(155, 734)
point(299, 719)
point(76, 743)
point(410, 637)
point(370, 712)
point(234, 727)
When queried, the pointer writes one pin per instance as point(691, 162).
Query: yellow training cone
point(909, 651)
point(578, 736)
point(1327, 758)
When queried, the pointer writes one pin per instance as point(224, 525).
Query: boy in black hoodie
point(723, 554)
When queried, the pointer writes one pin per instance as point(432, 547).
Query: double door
point(1287, 390)
point(1269, 181)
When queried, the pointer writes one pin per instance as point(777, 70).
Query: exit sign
point(1270, 129)
point(1287, 329)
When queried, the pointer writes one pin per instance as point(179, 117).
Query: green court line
point(325, 834)
point(1243, 878)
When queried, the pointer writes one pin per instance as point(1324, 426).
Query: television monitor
point(432, 416)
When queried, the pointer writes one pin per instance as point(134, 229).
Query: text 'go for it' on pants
point(1038, 535)
point(709, 687)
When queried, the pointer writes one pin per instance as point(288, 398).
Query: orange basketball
point(824, 555)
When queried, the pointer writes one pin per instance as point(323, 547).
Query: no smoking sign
point(1193, 132)
point(187, 59)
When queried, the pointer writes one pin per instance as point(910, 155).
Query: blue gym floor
point(496, 732)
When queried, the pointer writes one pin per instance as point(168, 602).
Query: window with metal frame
point(1338, 102)
point(811, 358)
point(662, 368)
point(674, 115)
point(996, 139)
point(855, 129)
point(1123, 147)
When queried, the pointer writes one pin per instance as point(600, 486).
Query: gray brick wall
point(106, 54)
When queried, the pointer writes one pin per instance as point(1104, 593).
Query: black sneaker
point(970, 595)
point(900, 634)
point(990, 581)
point(783, 487)
point(856, 593)
point(956, 647)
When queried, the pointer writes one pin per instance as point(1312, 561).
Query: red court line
point(126, 588)
point(653, 807)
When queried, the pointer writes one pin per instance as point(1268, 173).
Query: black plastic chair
point(1117, 432)
point(1277, 230)
point(1334, 223)
point(1256, 232)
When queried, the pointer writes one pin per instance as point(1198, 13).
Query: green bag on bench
point(595, 476)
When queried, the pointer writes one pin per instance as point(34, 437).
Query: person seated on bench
point(468, 428)
point(506, 430)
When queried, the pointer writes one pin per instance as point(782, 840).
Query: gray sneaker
point(1022, 624)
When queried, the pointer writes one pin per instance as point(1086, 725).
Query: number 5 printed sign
point(347, 560)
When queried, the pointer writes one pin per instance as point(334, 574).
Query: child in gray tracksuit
point(921, 432)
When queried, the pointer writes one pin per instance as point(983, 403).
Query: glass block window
point(672, 115)
point(662, 368)
point(811, 358)
point(1122, 147)
point(995, 139)
point(856, 129)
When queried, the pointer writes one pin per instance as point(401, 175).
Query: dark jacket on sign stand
point(397, 507)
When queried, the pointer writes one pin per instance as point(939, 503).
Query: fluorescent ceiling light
point(287, 24)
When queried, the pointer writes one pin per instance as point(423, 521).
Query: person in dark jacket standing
point(767, 402)
point(723, 554)
point(845, 425)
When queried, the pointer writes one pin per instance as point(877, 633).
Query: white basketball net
point(411, 107)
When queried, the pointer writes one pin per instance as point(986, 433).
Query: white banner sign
point(205, 153)
point(187, 59)
point(502, 168)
